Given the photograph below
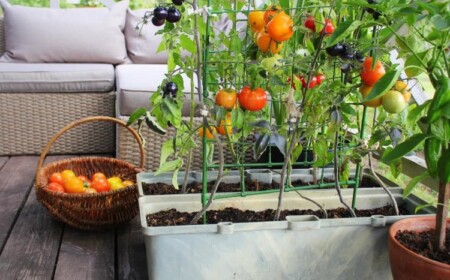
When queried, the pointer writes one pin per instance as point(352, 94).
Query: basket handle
point(87, 120)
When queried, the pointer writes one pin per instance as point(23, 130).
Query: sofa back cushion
point(92, 35)
point(142, 42)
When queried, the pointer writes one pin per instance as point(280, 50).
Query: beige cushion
point(142, 43)
point(136, 83)
point(58, 77)
point(90, 35)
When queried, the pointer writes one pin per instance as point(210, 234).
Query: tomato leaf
point(384, 84)
point(344, 29)
point(414, 181)
point(175, 179)
point(284, 4)
point(167, 149)
point(136, 115)
point(187, 43)
point(169, 166)
point(404, 148)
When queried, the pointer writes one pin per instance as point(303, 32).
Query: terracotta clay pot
point(406, 264)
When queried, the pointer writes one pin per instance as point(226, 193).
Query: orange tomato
point(209, 133)
point(74, 185)
point(85, 180)
point(271, 11)
point(100, 185)
point(370, 76)
point(281, 27)
point(56, 177)
point(266, 44)
point(225, 127)
point(364, 90)
point(66, 174)
point(226, 98)
point(256, 20)
point(56, 187)
point(128, 183)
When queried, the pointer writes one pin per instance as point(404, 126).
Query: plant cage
point(321, 125)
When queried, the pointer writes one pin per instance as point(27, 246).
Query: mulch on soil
point(422, 243)
point(196, 187)
point(172, 217)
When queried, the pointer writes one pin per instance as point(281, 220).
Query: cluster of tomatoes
point(328, 28)
point(271, 28)
point(171, 14)
point(395, 100)
point(67, 181)
point(249, 99)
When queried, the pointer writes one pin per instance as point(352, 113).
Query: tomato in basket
point(56, 187)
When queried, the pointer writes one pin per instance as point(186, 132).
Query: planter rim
point(431, 218)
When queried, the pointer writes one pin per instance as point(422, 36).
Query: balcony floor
point(35, 246)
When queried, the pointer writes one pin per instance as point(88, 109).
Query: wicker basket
point(90, 211)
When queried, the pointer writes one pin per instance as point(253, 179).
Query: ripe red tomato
point(100, 185)
point(226, 98)
point(370, 76)
point(56, 177)
point(328, 29)
point(98, 175)
point(252, 100)
point(312, 82)
point(310, 23)
point(320, 78)
point(56, 187)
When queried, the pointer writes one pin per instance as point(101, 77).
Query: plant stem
point(325, 213)
point(441, 215)
point(379, 181)
point(336, 175)
point(198, 71)
point(219, 177)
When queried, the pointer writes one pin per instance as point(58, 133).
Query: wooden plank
point(131, 255)
point(86, 255)
point(3, 161)
point(32, 248)
point(17, 178)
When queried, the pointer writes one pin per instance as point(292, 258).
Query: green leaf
point(440, 129)
point(175, 179)
point(187, 43)
point(167, 149)
point(404, 148)
point(342, 31)
point(415, 114)
point(420, 207)
point(440, 22)
point(396, 168)
point(414, 181)
point(168, 166)
point(136, 115)
point(284, 4)
point(161, 47)
point(296, 152)
point(384, 84)
point(413, 66)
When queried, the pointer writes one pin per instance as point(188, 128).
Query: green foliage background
point(134, 4)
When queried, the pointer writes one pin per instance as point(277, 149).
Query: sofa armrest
point(2, 36)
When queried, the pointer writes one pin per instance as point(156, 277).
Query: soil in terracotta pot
point(422, 244)
point(173, 217)
point(161, 188)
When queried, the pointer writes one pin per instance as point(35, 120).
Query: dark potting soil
point(422, 243)
point(173, 217)
point(161, 188)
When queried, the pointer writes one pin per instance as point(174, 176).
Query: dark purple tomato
point(157, 22)
point(160, 13)
point(173, 15)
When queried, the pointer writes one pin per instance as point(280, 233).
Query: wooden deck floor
point(35, 246)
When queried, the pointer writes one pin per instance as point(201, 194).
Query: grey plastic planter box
point(303, 247)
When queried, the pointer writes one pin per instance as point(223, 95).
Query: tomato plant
point(393, 102)
point(266, 44)
point(252, 99)
point(226, 98)
point(364, 90)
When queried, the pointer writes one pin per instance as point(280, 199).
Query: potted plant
point(424, 48)
point(283, 108)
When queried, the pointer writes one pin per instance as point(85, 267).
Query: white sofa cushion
point(56, 77)
point(142, 43)
point(136, 83)
point(87, 35)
